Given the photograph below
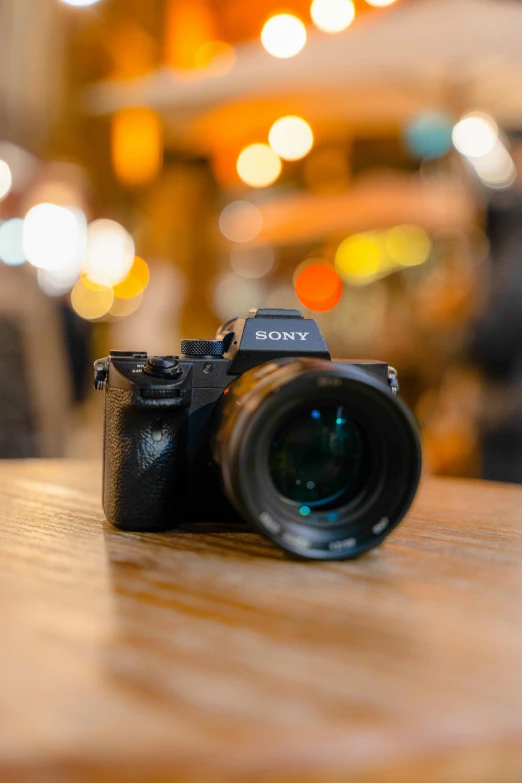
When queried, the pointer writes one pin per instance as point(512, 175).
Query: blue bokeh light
point(428, 136)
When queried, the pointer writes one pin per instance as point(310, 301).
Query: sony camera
point(318, 455)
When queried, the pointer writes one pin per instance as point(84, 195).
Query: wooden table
point(207, 656)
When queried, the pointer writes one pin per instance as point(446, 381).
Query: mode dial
point(202, 347)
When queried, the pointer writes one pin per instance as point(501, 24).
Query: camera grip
point(143, 462)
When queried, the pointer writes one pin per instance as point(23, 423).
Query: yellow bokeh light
point(140, 270)
point(217, 57)
point(91, 304)
point(332, 16)
point(291, 138)
point(129, 288)
point(137, 146)
point(380, 3)
point(359, 257)
point(124, 307)
point(408, 245)
point(258, 165)
point(283, 36)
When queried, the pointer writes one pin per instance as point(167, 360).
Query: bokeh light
point(318, 287)
point(216, 57)
point(252, 262)
point(137, 146)
point(497, 168)
point(141, 270)
point(258, 165)
point(240, 221)
point(232, 295)
point(54, 237)
point(136, 281)
point(359, 257)
point(91, 303)
point(12, 242)
point(408, 245)
point(57, 282)
point(121, 308)
point(282, 296)
point(380, 3)
point(6, 179)
point(110, 253)
point(429, 135)
point(283, 36)
point(332, 16)
point(128, 288)
point(22, 164)
point(80, 3)
point(475, 135)
point(291, 138)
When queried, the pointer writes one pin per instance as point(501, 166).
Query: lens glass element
point(319, 458)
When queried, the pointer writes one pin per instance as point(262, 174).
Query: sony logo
point(281, 335)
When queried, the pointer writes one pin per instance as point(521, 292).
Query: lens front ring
point(261, 400)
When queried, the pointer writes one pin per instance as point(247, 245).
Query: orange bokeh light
point(319, 287)
point(189, 25)
point(137, 146)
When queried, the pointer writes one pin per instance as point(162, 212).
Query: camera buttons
point(162, 367)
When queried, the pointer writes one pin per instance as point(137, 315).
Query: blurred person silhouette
point(35, 387)
point(497, 340)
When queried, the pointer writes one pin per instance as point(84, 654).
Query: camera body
point(169, 427)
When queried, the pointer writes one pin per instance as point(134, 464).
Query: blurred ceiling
point(462, 54)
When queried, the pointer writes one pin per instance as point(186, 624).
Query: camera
point(318, 455)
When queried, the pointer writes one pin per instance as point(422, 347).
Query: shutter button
point(162, 367)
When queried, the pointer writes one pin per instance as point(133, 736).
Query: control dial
point(202, 347)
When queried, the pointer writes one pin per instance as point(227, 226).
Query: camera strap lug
point(393, 380)
point(101, 371)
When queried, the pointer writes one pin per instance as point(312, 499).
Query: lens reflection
point(319, 458)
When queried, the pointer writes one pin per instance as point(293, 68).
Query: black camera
point(318, 455)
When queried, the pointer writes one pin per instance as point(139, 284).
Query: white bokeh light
point(252, 262)
point(332, 16)
point(291, 138)
point(110, 253)
point(57, 282)
point(233, 294)
point(80, 3)
point(6, 179)
point(240, 221)
point(11, 242)
point(475, 135)
point(54, 237)
point(283, 36)
point(496, 169)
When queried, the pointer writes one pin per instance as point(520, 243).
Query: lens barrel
point(319, 456)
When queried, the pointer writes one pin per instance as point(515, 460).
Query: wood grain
point(205, 655)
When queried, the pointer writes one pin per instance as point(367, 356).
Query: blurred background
point(168, 164)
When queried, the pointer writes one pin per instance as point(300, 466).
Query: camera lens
point(319, 457)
